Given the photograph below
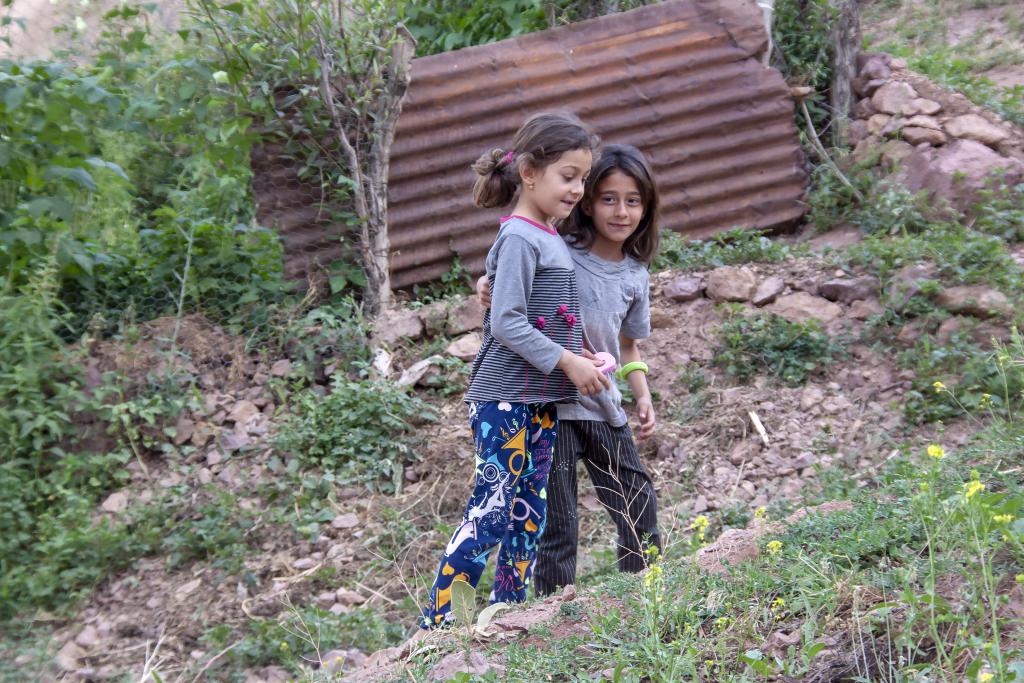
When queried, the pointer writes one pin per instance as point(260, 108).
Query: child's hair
point(579, 227)
point(539, 142)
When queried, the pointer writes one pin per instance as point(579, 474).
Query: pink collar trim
point(549, 230)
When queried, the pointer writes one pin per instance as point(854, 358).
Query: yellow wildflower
point(761, 512)
point(936, 451)
point(778, 603)
point(984, 677)
point(973, 487)
point(1002, 519)
point(774, 547)
point(653, 576)
point(939, 386)
point(986, 401)
point(700, 525)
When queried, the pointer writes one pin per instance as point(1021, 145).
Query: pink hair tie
point(509, 155)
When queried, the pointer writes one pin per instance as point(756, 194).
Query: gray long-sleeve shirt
point(534, 315)
point(614, 297)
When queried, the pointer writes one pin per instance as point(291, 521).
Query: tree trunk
point(846, 43)
point(376, 243)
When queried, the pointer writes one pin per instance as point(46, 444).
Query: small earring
point(530, 185)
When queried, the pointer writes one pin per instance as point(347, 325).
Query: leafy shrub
point(1001, 213)
point(362, 430)
point(289, 639)
point(802, 32)
point(726, 248)
point(786, 350)
point(970, 379)
point(442, 26)
point(872, 205)
point(215, 529)
point(114, 170)
point(325, 333)
point(961, 256)
point(232, 274)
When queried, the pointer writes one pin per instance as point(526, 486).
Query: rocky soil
point(707, 454)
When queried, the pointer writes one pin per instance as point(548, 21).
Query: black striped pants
point(623, 486)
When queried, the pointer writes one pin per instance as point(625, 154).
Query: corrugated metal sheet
point(680, 80)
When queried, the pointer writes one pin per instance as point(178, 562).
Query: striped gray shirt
point(534, 315)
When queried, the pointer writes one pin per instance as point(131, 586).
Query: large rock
point(68, 657)
point(863, 109)
point(801, 306)
point(848, 290)
point(465, 347)
point(733, 547)
point(976, 300)
point(465, 315)
point(959, 171)
point(974, 127)
point(242, 412)
point(730, 283)
point(878, 123)
point(981, 332)
point(921, 121)
point(921, 106)
point(863, 310)
point(415, 372)
point(456, 663)
point(115, 502)
point(768, 291)
point(908, 282)
point(857, 132)
point(685, 288)
point(396, 324)
point(893, 96)
point(894, 152)
point(916, 136)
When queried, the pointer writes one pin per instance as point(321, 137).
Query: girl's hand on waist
point(583, 373)
point(483, 291)
point(645, 411)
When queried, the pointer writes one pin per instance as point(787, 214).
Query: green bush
point(724, 249)
point(301, 630)
point(442, 26)
point(961, 256)
point(786, 350)
point(112, 169)
point(871, 204)
point(964, 377)
point(1001, 213)
point(363, 430)
point(214, 529)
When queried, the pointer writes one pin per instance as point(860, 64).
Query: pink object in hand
point(609, 362)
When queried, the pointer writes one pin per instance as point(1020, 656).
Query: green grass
point(902, 584)
point(726, 248)
point(921, 37)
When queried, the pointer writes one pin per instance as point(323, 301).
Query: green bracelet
point(630, 367)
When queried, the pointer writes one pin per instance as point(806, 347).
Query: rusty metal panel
point(310, 233)
point(680, 80)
